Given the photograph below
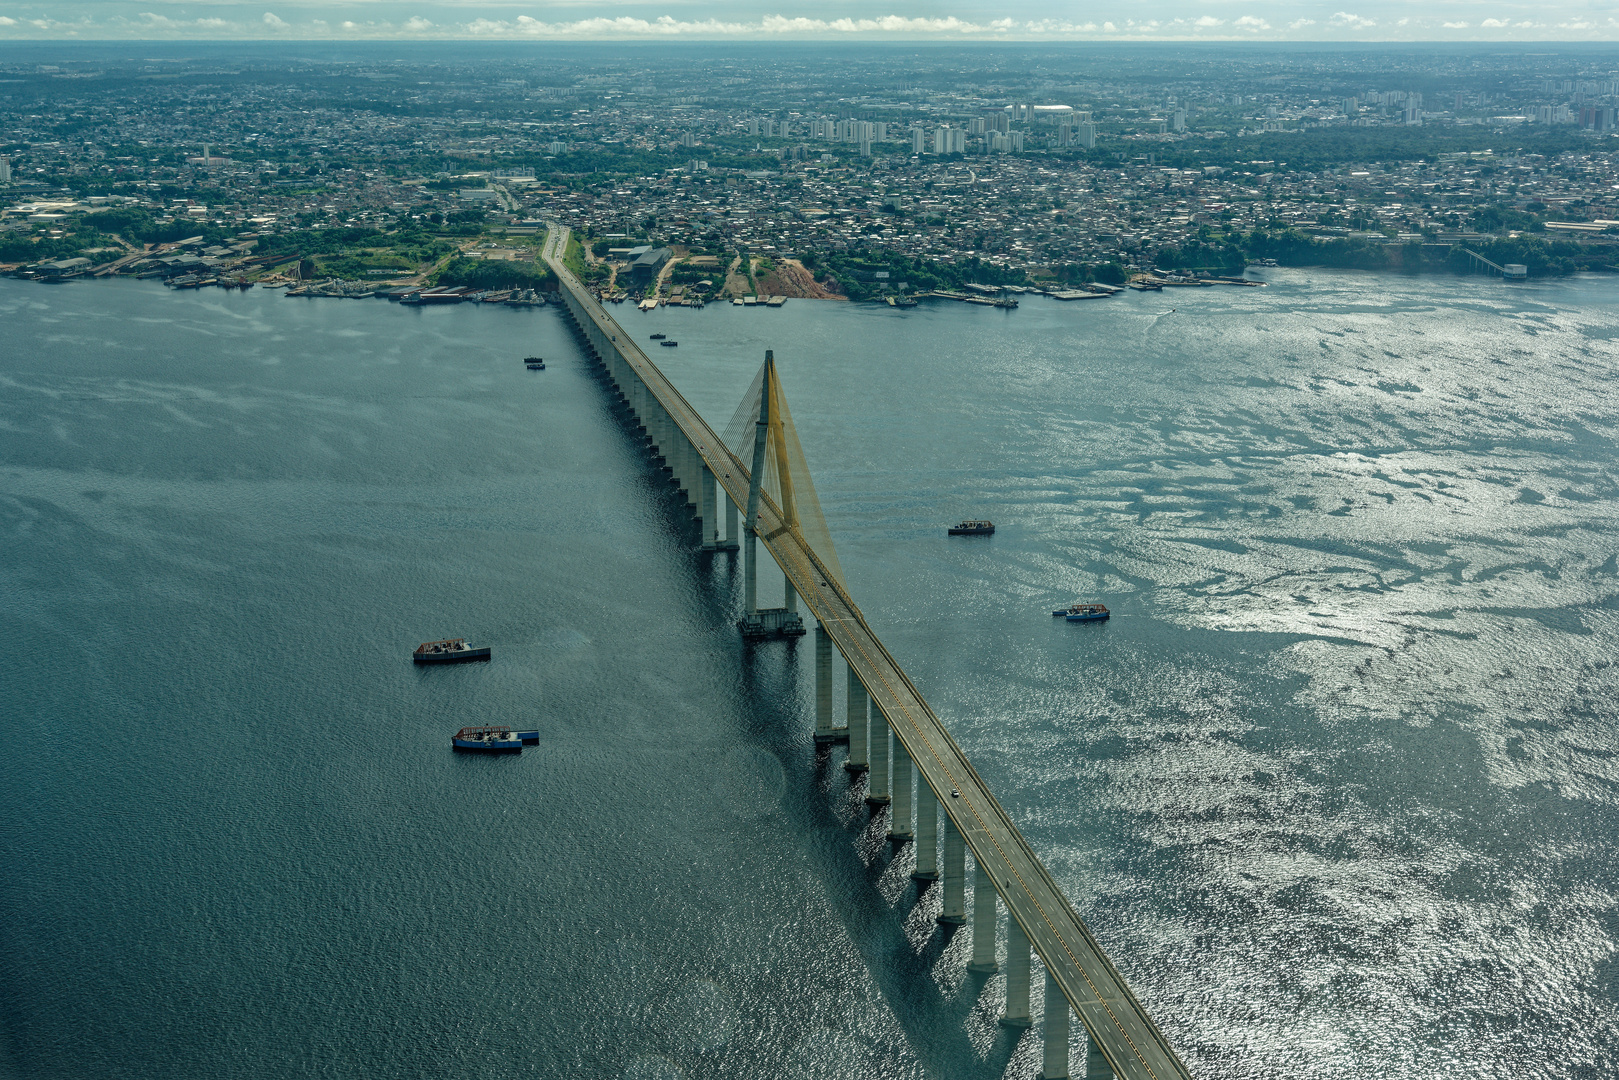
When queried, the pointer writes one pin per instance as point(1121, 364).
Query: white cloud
point(1053, 26)
point(416, 24)
point(1208, 22)
point(1110, 28)
point(7, 20)
point(1300, 24)
point(1493, 24)
point(271, 19)
point(1345, 20)
point(1451, 25)
point(1252, 24)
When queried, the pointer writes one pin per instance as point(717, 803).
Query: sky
point(881, 20)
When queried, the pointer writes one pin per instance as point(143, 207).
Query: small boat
point(1083, 612)
point(493, 740)
point(659, 337)
point(450, 651)
point(973, 528)
point(534, 363)
point(669, 344)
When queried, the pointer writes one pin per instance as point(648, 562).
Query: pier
point(893, 734)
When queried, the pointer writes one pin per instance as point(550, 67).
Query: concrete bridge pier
point(983, 921)
point(707, 508)
point(1017, 976)
point(955, 876)
point(1055, 1029)
point(750, 573)
point(665, 448)
point(877, 747)
point(730, 543)
point(824, 731)
point(1096, 1066)
point(927, 833)
point(899, 822)
point(684, 451)
point(858, 726)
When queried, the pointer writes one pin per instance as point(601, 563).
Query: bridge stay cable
point(781, 507)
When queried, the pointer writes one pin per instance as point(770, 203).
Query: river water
point(1336, 786)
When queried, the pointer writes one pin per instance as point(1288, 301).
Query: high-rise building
point(5, 170)
point(753, 127)
point(865, 145)
point(1065, 134)
point(1015, 139)
point(1178, 121)
point(1085, 135)
point(978, 125)
point(918, 139)
point(941, 139)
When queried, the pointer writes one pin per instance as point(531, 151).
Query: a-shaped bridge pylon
point(762, 432)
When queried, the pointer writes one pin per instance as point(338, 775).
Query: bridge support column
point(877, 787)
point(983, 921)
point(899, 822)
point(750, 572)
point(791, 594)
point(824, 731)
point(707, 510)
point(1055, 1029)
point(1096, 1066)
point(732, 536)
point(857, 762)
point(955, 875)
point(1017, 976)
point(685, 478)
point(927, 833)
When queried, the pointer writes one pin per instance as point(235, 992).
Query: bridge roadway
point(1116, 1021)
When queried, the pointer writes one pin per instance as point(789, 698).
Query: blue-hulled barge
point(493, 740)
point(1083, 612)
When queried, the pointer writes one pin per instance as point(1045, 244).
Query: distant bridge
point(1079, 976)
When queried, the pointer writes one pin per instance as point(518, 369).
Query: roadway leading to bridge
point(1118, 1024)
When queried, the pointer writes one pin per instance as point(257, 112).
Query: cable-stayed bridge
point(772, 488)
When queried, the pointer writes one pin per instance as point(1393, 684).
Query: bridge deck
point(1123, 1031)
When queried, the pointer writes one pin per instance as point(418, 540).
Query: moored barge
point(973, 528)
point(1084, 612)
point(450, 651)
point(493, 740)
